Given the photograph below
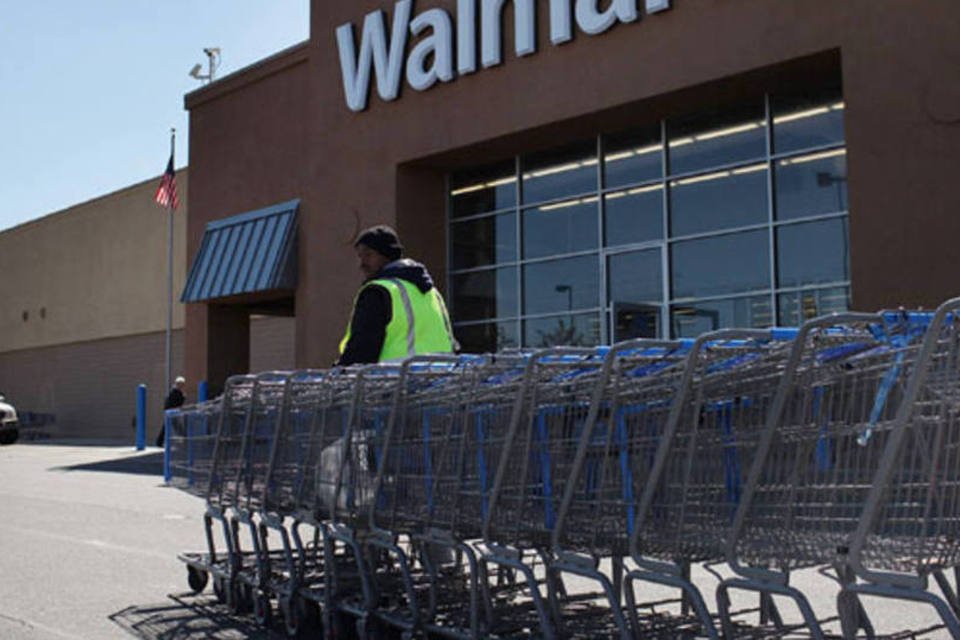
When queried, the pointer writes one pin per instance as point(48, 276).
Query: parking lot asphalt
point(90, 535)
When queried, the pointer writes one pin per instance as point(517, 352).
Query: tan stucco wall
point(97, 270)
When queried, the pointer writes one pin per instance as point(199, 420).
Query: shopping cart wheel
point(262, 610)
point(242, 600)
point(290, 608)
point(310, 619)
point(196, 578)
point(220, 589)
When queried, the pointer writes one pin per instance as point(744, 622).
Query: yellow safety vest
point(418, 324)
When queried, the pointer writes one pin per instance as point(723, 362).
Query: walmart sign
point(447, 46)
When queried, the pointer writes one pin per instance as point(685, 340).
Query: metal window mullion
point(819, 217)
point(665, 293)
point(449, 245)
point(771, 231)
point(602, 295)
point(518, 229)
point(829, 146)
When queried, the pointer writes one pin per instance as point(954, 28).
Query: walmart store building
point(584, 172)
point(571, 171)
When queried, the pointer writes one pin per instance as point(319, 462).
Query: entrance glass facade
point(732, 217)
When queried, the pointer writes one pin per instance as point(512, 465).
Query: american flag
point(167, 192)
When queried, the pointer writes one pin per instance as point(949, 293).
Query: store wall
point(387, 164)
point(96, 270)
point(90, 387)
point(250, 153)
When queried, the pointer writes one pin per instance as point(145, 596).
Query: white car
point(9, 423)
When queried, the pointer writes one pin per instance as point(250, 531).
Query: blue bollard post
point(141, 417)
point(202, 391)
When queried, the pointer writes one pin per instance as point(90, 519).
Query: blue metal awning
point(247, 253)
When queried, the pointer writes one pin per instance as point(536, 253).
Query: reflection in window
point(484, 241)
point(807, 120)
point(581, 330)
point(712, 140)
point(632, 158)
point(796, 307)
point(719, 200)
point(561, 285)
point(480, 295)
point(690, 320)
point(723, 264)
point(633, 215)
point(558, 174)
point(812, 252)
point(482, 190)
point(635, 321)
point(811, 184)
point(488, 337)
point(562, 227)
point(635, 277)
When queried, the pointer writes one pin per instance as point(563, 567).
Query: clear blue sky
point(90, 89)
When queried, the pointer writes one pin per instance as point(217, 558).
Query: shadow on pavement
point(149, 464)
point(188, 617)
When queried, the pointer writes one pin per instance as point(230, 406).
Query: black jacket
point(373, 311)
point(174, 399)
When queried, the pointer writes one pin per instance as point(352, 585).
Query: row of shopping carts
point(547, 493)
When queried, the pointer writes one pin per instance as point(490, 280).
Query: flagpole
point(168, 379)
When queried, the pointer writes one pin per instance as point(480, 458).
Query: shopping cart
point(909, 528)
point(345, 479)
point(691, 486)
point(263, 417)
point(590, 538)
point(815, 462)
point(221, 495)
point(191, 437)
point(295, 453)
point(417, 482)
point(545, 422)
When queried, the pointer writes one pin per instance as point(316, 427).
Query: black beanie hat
point(383, 240)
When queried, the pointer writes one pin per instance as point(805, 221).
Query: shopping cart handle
point(785, 334)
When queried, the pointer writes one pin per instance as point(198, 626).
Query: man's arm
point(368, 327)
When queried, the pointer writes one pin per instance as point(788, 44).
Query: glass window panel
point(796, 307)
point(724, 264)
point(562, 227)
point(560, 173)
point(580, 330)
point(488, 337)
point(718, 138)
point(561, 285)
point(484, 241)
point(719, 200)
point(689, 320)
point(810, 119)
point(633, 215)
point(635, 277)
point(635, 321)
point(812, 253)
point(481, 295)
point(633, 157)
point(485, 189)
point(811, 184)
point(635, 289)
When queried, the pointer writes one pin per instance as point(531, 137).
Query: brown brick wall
point(91, 386)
